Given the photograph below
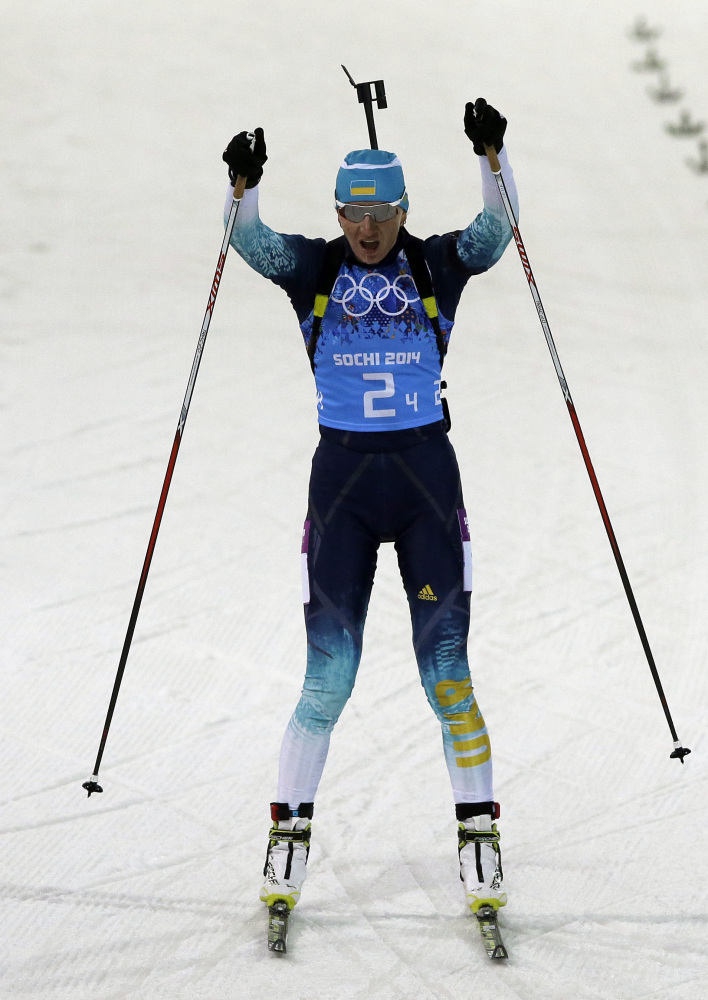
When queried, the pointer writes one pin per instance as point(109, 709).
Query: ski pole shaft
point(679, 750)
point(92, 784)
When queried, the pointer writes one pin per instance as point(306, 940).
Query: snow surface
point(114, 116)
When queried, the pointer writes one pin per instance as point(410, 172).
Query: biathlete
point(376, 307)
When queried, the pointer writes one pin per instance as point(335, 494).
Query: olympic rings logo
point(385, 295)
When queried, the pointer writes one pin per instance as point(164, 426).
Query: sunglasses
point(357, 213)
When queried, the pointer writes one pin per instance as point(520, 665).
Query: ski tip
point(680, 752)
point(278, 947)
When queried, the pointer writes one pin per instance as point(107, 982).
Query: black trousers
point(401, 487)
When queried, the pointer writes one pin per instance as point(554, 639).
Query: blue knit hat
point(371, 175)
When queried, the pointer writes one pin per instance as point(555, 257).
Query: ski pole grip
point(493, 158)
point(239, 187)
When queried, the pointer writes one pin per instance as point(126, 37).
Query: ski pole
point(366, 98)
point(679, 751)
point(92, 784)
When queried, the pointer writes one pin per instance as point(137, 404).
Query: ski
point(491, 935)
point(278, 916)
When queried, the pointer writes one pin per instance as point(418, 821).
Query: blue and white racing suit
point(384, 470)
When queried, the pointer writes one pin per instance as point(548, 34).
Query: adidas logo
point(426, 594)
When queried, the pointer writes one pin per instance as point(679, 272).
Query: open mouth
point(369, 245)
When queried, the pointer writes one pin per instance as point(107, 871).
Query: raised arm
point(484, 241)
point(271, 254)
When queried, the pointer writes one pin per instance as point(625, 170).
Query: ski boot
point(288, 850)
point(480, 856)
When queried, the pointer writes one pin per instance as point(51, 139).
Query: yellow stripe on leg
point(451, 693)
point(462, 723)
point(477, 759)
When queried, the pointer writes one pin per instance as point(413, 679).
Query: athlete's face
point(371, 241)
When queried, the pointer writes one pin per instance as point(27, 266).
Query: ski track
point(115, 118)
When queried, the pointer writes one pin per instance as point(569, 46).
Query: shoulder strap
point(423, 282)
point(413, 250)
point(334, 255)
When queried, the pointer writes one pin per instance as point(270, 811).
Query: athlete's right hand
point(244, 161)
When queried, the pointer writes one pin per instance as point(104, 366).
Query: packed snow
point(114, 117)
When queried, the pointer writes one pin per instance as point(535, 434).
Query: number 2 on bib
point(385, 393)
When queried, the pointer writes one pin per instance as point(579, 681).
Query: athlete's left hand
point(484, 126)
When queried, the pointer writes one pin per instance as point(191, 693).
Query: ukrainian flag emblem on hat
point(363, 189)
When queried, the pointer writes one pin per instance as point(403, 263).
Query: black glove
point(244, 161)
point(484, 126)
